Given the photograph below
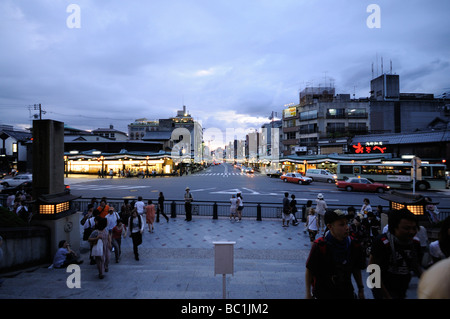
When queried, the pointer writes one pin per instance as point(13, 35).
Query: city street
point(220, 182)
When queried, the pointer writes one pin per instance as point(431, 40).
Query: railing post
point(215, 211)
point(258, 212)
point(173, 210)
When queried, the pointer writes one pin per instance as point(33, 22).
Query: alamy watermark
point(374, 19)
point(73, 21)
point(74, 279)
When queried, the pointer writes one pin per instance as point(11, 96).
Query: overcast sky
point(231, 62)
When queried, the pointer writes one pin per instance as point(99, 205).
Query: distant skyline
point(230, 62)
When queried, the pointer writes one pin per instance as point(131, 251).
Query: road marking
point(237, 190)
point(105, 187)
point(202, 189)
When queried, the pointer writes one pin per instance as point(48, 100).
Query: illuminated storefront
point(131, 164)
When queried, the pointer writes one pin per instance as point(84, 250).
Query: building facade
point(395, 112)
point(13, 149)
point(322, 122)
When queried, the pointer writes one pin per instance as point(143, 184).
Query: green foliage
point(10, 219)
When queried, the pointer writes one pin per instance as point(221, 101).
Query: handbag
point(88, 231)
point(97, 249)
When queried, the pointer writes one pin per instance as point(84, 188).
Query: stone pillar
point(48, 184)
point(48, 157)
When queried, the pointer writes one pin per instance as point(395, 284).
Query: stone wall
point(24, 247)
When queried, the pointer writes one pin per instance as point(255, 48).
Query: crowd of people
point(104, 227)
point(343, 243)
point(393, 242)
point(17, 204)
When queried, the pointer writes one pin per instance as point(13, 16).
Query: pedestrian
point(397, 253)
point(139, 205)
point(440, 249)
point(233, 207)
point(372, 225)
point(117, 233)
point(112, 219)
point(240, 206)
point(188, 204)
point(321, 208)
point(22, 211)
point(88, 222)
point(312, 225)
point(293, 210)
point(333, 260)
point(365, 208)
point(101, 233)
point(286, 210)
point(103, 208)
point(65, 256)
point(306, 210)
point(125, 210)
point(135, 228)
point(10, 201)
point(357, 230)
point(379, 212)
point(150, 215)
point(351, 213)
point(160, 208)
point(432, 211)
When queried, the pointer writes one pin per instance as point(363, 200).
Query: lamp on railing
point(416, 204)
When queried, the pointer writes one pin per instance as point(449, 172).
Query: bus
point(396, 175)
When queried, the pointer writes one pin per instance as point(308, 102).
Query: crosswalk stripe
point(222, 174)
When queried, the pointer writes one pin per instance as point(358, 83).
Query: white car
point(17, 180)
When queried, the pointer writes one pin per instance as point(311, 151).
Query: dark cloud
point(240, 59)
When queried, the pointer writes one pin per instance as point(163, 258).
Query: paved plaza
point(177, 262)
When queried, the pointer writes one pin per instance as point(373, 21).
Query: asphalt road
point(219, 183)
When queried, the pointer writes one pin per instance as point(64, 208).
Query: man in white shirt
point(112, 219)
point(139, 205)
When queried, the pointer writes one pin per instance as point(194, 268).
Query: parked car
point(362, 185)
point(295, 178)
point(27, 187)
point(17, 180)
point(276, 174)
point(321, 175)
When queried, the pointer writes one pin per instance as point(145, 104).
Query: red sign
point(370, 147)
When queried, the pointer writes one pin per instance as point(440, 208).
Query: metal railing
point(216, 209)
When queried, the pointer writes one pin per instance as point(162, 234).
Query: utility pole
point(39, 107)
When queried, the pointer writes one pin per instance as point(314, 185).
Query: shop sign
point(290, 112)
point(369, 147)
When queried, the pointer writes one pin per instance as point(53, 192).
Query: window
point(335, 113)
point(346, 169)
point(290, 135)
point(357, 127)
point(308, 115)
point(290, 123)
point(357, 113)
point(309, 128)
point(335, 127)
